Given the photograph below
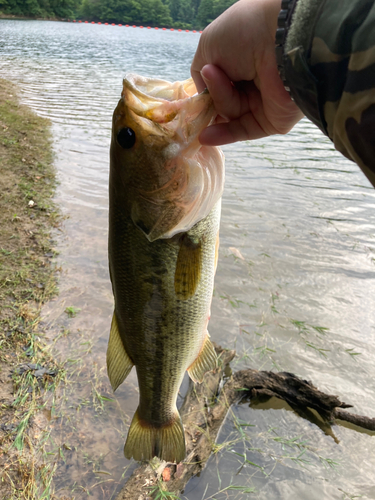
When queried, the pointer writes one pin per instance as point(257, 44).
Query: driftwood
point(205, 407)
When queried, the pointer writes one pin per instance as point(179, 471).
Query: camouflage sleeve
point(329, 64)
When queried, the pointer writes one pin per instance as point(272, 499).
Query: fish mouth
point(176, 107)
point(182, 180)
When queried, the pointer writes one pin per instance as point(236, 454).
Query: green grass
point(27, 280)
point(72, 311)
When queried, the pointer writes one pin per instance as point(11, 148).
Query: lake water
point(294, 289)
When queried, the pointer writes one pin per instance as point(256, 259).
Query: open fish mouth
point(173, 181)
point(177, 107)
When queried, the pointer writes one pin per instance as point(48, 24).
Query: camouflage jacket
point(329, 64)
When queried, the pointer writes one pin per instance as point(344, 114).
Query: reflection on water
point(294, 288)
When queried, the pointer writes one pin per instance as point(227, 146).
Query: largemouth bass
point(165, 197)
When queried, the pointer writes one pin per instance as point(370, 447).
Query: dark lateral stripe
point(358, 81)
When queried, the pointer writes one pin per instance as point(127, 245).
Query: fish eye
point(126, 138)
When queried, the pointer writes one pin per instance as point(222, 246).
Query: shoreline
point(12, 17)
point(28, 218)
point(179, 27)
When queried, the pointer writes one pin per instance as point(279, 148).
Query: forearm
point(329, 65)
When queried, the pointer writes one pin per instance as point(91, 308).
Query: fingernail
point(205, 79)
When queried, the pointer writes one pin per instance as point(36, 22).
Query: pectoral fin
point(206, 361)
point(188, 268)
point(118, 362)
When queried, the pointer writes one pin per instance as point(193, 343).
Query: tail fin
point(145, 442)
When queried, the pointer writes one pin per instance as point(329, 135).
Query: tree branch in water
point(204, 410)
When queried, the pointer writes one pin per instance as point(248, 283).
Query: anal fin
point(119, 363)
point(206, 361)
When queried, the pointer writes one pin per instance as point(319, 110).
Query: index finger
point(229, 102)
point(195, 71)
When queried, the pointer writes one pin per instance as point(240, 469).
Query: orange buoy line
point(134, 26)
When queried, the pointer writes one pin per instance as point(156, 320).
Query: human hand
point(236, 61)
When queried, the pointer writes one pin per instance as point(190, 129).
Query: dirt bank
point(28, 217)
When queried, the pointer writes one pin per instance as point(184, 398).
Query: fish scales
point(165, 202)
point(166, 329)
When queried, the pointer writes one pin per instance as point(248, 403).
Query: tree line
point(184, 14)
point(40, 8)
